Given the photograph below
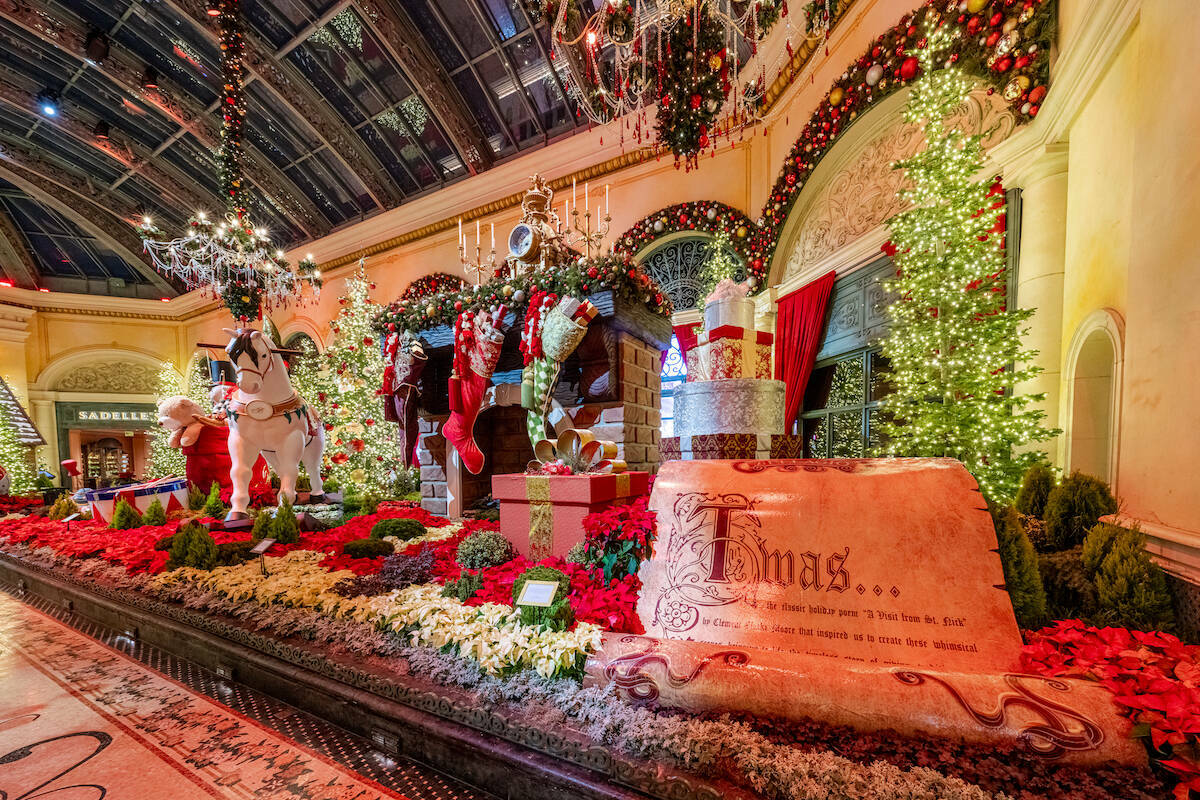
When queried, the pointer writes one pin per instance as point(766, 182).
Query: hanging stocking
point(406, 361)
point(564, 327)
point(535, 380)
point(478, 339)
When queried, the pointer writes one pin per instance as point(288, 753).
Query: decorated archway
point(1005, 45)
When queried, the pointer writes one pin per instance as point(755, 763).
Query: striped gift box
point(171, 492)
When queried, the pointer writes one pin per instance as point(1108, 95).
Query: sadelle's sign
point(115, 416)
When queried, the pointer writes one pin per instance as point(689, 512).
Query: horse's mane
point(242, 344)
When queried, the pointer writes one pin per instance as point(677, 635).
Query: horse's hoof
point(236, 516)
point(316, 499)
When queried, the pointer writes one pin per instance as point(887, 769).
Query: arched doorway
point(1093, 389)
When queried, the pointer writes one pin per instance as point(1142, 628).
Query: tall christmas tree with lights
point(360, 450)
point(954, 345)
point(14, 457)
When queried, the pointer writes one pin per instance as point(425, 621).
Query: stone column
point(1040, 274)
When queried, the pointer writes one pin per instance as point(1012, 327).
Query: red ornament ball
point(908, 70)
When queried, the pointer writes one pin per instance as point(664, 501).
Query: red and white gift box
point(730, 352)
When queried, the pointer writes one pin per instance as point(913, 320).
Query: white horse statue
point(266, 415)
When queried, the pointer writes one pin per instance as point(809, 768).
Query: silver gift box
point(730, 406)
point(737, 311)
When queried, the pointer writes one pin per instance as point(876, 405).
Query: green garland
point(618, 273)
point(695, 80)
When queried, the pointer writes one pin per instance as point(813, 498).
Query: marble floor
point(88, 714)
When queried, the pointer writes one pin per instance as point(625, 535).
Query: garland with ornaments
point(701, 216)
point(1003, 43)
point(695, 82)
point(616, 272)
point(432, 284)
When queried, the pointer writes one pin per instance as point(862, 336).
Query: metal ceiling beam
point(124, 70)
point(14, 254)
point(106, 218)
point(132, 156)
point(395, 29)
point(481, 18)
point(306, 103)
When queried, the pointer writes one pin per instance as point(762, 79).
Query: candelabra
point(478, 269)
point(581, 236)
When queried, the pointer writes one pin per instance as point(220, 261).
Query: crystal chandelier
point(231, 258)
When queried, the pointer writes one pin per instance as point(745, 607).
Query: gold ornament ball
point(975, 6)
point(714, 62)
point(430, 310)
point(836, 95)
point(741, 232)
point(507, 291)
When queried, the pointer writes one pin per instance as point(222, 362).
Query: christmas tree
point(14, 457)
point(954, 345)
point(165, 460)
point(721, 262)
point(360, 451)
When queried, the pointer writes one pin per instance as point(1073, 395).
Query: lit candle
point(493, 236)
point(460, 239)
point(585, 198)
point(476, 234)
point(574, 202)
point(606, 199)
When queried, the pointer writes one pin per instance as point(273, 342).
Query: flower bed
point(1153, 676)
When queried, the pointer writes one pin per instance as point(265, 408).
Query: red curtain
point(799, 324)
point(686, 335)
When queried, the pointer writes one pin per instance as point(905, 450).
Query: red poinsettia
point(1154, 677)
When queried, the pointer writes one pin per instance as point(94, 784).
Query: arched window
point(674, 373)
point(675, 266)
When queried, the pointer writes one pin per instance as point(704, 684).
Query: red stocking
point(485, 338)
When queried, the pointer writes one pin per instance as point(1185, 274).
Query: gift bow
point(580, 450)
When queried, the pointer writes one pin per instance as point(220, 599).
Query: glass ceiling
point(488, 58)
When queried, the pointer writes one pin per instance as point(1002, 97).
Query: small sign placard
point(538, 593)
point(262, 547)
point(72, 518)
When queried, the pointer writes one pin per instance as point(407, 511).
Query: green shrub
point(1035, 529)
point(262, 525)
point(164, 544)
point(155, 514)
point(403, 529)
point(368, 548)
point(192, 546)
point(284, 527)
point(1070, 592)
point(577, 554)
point(331, 485)
point(559, 615)
point(359, 505)
point(468, 584)
point(406, 481)
point(1131, 588)
point(303, 484)
point(1021, 576)
point(125, 517)
point(1096, 546)
point(63, 507)
point(231, 554)
point(484, 549)
point(1035, 490)
point(213, 507)
point(196, 497)
point(1074, 507)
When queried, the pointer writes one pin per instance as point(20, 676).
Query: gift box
point(730, 406)
point(542, 515)
point(171, 492)
point(730, 352)
point(742, 446)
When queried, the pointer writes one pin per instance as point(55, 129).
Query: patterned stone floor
point(88, 713)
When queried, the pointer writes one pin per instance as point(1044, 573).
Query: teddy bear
point(183, 417)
